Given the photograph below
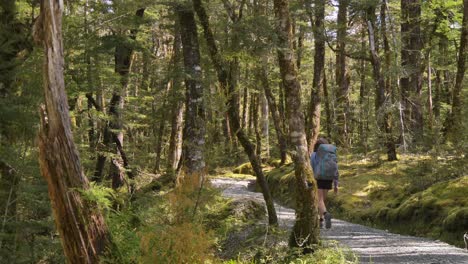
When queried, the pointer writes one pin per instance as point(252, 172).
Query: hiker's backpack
point(325, 164)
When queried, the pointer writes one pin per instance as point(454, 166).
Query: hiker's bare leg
point(322, 195)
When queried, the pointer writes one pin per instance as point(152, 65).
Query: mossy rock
point(247, 209)
point(245, 168)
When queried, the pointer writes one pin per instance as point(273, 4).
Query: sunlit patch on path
point(372, 245)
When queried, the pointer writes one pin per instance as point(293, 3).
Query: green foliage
point(101, 195)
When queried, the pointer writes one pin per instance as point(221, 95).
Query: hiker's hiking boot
point(328, 218)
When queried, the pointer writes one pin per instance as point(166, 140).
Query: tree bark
point(195, 128)
point(305, 231)
point(79, 222)
point(176, 132)
point(265, 125)
point(233, 110)
point(256, 128)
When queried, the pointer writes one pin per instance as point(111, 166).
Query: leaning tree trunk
point(79, 222)
point(455, 118)
point(305, 231)
point(194, 130)
point(233, 110)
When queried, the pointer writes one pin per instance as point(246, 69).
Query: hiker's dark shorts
point(324, 184)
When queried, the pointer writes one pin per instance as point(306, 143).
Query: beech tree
point(305, 231)
point(194, 130)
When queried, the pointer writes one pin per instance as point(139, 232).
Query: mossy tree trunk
point(79, 222)
point(305, 231)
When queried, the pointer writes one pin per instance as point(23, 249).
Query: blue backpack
point(325, 163)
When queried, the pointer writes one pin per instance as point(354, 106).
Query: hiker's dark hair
point(319, 142)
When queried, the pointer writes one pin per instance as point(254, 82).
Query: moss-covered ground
point(417, 195)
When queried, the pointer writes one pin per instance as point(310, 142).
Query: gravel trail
point(370, 244)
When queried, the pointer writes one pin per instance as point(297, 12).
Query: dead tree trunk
point(79, 222)
point(305, 231)
point(233, 110)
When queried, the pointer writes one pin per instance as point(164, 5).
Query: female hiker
point(325, 166)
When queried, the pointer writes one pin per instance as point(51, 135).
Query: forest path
point(370, 244)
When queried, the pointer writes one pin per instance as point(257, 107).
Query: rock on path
point(371, 245)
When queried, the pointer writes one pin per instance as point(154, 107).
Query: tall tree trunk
point(245, 107)
point(305, 231)
point(233, 110)
point(265, 125)
point(328, 115)
point(313, 127)
point(430, 105)
point(256, 128)
point(455, 123)
point(277, 121)
point(342, 76)
point(79, 222)
point(362, 96)
point(411, 80)
point(382, 116)
point(195, 128)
